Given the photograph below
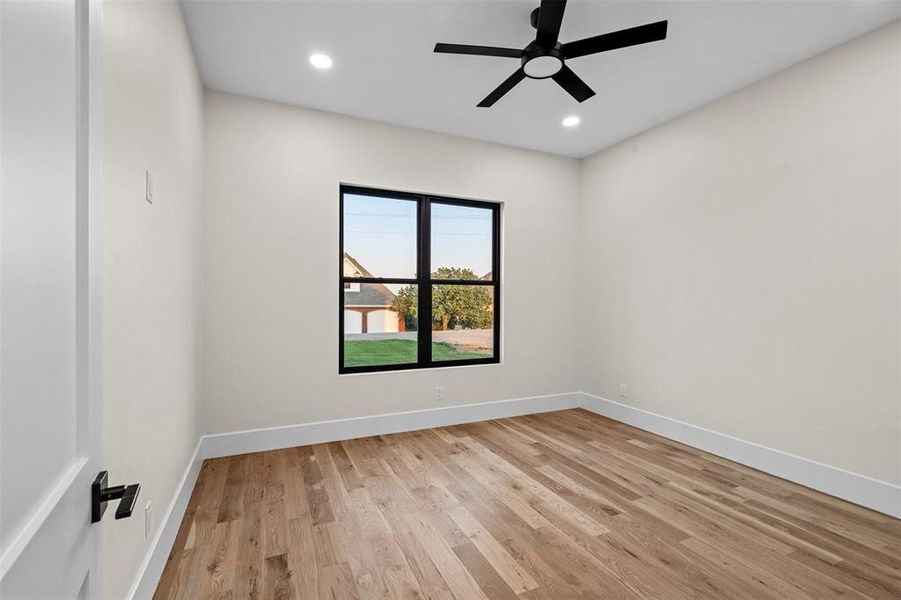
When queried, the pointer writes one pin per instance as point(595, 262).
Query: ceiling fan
point(546, 57)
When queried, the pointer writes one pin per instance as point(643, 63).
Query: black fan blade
point(550, 16)
point(571, 82)
point(652, 32)
point(478, 50)
point(503, 88)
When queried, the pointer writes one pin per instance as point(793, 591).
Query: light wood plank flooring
point(559, 505)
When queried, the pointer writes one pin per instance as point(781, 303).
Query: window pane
point(379, 325)
point(461, 242)
point(379, 237)
point(462, 322)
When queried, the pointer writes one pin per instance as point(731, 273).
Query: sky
point(381, 234)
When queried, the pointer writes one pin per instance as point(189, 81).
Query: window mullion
point(425, 286)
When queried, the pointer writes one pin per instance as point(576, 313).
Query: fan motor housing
point(545, 62)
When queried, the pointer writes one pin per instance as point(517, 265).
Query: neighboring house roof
point(355, 267)
point(370, 294)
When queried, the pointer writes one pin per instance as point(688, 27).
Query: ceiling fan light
point(571, 121)
point(542, 67)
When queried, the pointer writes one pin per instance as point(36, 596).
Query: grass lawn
point(366, 353)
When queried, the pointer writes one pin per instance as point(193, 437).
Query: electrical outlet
point(439, 393)
point(148, 520)
point(623, 390)
point(148, 187)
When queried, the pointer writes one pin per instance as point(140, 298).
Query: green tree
point(453, 306)
point(406, 304)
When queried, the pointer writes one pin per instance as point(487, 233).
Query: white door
point(49, 298)
point(382, 321)
point(353, 321)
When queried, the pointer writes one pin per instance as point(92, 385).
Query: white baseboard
point(152, 568)
point(256, 440)
point(878, 495)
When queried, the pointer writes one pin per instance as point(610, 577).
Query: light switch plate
point(148, 187)
point(148, 520)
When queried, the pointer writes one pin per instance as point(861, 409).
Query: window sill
point(420, 369)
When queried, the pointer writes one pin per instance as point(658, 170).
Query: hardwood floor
point(559, 505)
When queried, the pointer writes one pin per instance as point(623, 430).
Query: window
point(420, 281)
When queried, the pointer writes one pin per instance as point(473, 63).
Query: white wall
point(741, 263)
point(153, 104)
point(270, 351)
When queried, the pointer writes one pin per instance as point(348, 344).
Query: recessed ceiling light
point(320, 61)
point(571, 121)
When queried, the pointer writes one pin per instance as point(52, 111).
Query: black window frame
point(423, 278)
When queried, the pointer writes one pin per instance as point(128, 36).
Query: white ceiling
point(385, 68)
